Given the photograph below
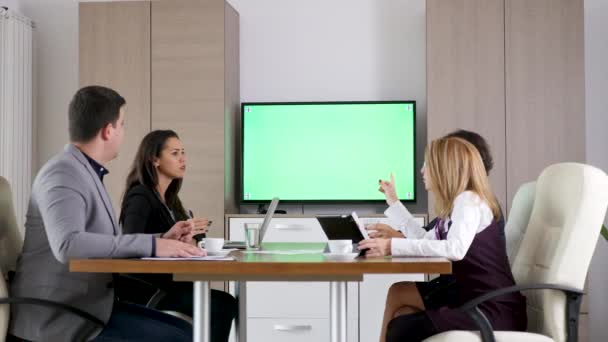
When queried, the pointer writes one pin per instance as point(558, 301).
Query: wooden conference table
point(274, 263)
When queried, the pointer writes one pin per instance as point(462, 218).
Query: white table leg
point(202, 304)
point(240, 324)
point(337, 310)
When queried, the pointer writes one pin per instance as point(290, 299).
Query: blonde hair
point(453, 166)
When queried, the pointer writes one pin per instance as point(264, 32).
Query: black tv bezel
point(242, 154)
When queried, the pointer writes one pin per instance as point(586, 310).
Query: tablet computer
point(343, 227)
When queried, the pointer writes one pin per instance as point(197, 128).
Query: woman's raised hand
point(388, 189)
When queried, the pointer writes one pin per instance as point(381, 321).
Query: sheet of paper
point(360, 225)
point(288, 252)
point(206, 258)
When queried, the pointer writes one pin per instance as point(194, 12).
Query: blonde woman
point(467, 231)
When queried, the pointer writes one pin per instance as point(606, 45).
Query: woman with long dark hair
point(151, 205)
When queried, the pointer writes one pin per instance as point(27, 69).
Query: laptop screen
point(271, 208)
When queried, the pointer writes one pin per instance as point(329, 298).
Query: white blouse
point(470, 216)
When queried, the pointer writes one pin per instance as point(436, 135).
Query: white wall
point(11, 4)
point(56, 68)
point(318, 50)
point(596, 83)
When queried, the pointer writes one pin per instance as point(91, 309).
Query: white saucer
point(340, 256)
point(222, 253)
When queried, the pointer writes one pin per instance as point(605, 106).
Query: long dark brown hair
point(143, 172)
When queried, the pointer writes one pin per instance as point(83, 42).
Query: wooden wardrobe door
point(545, 90)
point(115, 52)
point(188, 96)
point(465, 76)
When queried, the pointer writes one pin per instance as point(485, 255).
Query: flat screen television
point(327, 152)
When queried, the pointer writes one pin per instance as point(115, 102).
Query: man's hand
point(377, 247)
point(177, 249)
point(381, 230)
point(388, 189)
point(180, 231)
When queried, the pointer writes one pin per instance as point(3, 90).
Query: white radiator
point(16, 122)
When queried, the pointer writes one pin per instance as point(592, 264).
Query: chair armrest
point(57, 305)
point(573, 305)
point(516, 288)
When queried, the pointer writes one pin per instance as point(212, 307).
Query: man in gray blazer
point(70, 216)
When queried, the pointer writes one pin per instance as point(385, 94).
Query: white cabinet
point(287, 329)
point(293, 299)
point(299, 311)
point(281, 229)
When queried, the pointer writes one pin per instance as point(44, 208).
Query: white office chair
point(11, 243)
point(519, 216)
point(4, 310)
point(555, 253)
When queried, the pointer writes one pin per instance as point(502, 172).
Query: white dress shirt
point(470, 216)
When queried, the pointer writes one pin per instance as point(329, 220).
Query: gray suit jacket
point(69, 216)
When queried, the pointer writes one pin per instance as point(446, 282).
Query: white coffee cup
point(214, 245)
point(340, 246)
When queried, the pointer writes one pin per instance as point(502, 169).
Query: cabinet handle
point(287, 327)
point(290, 227)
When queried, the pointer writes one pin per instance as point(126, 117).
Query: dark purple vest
point(484, 268)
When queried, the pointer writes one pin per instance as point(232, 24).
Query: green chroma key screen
point(327, 151)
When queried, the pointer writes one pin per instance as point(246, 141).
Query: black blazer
point(143, 212)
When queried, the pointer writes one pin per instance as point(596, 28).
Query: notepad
point(286, 252)
point(205, 258)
